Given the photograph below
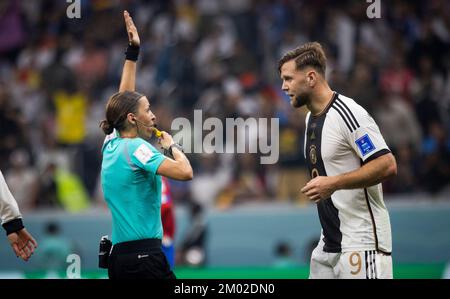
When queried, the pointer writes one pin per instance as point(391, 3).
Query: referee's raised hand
point(133, 36)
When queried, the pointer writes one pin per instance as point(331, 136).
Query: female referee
point(131, 176)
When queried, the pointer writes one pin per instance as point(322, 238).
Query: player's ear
point(311, 78)
point(131, 118)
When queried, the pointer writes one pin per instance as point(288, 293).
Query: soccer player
point(348, 159)
point(20, 239)
point(131, 176)
point(168, 223)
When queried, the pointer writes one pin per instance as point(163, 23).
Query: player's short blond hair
point(310, 54)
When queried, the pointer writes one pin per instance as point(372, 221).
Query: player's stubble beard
point(300, 100)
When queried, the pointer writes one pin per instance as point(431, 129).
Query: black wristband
point(177, 146)
point(132, 52)
point(169, 150)
point(13, 226)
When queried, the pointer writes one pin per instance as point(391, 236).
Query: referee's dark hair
point(117, 108)
point(310, 54)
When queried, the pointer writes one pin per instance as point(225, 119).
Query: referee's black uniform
point(141, 259)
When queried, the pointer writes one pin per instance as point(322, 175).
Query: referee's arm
point(128, 79)
point(127, 82)
point(177, 168)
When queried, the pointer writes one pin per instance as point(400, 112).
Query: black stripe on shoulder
point(343, 117)
point(380, 153)
point(349, 111)
point(347, 115)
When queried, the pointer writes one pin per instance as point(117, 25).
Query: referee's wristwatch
point(169, 150)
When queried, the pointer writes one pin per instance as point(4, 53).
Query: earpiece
point(140, 122)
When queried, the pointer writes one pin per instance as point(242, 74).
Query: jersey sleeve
point(366, 140)
point(145, 156)
point(9, 210)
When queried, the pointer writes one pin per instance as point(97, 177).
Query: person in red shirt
point(168, 223)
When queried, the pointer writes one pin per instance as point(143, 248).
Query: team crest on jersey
point(313, 154)
point(365, 145)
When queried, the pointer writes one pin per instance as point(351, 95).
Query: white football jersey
point(9, 210)
point(339, 140)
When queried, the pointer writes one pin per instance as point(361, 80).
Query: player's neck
point(320, 100)
point(129, 134)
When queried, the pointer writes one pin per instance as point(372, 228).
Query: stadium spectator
point(292, 168)
point(436, 159)
point(12, 129)
point(168, 223)
point(397, 122)
point(213, 175)
point(47, 197)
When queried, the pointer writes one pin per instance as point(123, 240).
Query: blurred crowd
point(219, 56)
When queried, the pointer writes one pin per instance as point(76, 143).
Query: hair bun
point(106, 127)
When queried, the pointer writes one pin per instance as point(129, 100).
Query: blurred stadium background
point(237, 218)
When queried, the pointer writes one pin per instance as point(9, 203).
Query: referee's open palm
point(133, 36)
